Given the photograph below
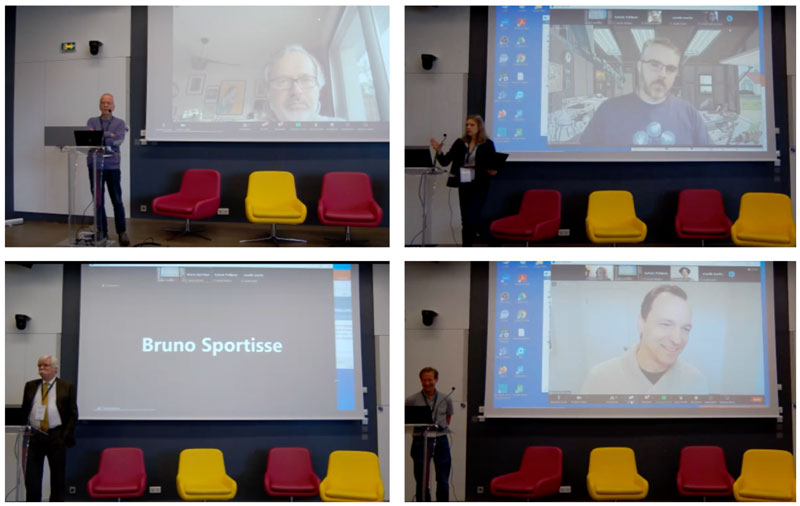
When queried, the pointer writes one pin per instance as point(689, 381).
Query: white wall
point(380, 298)
point(36, 292)
point(55, 89)
point(444, 288)
point(436, 103)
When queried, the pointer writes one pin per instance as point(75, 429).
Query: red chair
point(290, 474)
point(197, 199)
point(347, 200)
point(701, 215)
point(120, 474)
point(702, 472)
point(538, 219)
point(538, 476)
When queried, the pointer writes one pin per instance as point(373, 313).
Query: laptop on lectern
point(88, 137)
point(418, 415)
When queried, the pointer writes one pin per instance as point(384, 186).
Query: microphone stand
point(433, 170)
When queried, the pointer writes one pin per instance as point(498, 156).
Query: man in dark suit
point(50, 405)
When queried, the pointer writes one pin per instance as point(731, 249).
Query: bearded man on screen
point(652, 115)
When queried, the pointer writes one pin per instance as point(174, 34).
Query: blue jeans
point(111, 179)
point(439, 448)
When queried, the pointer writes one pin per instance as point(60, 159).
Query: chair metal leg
point(347, 241)
point(273, 236)
point(187, 230)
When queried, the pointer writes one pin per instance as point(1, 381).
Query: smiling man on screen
point(653, 366)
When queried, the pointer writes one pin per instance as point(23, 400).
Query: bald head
point(106, 105)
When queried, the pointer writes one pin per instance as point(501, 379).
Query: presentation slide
point(676, 83)
point(570, 339)
point(268, 73)
point(219, 342)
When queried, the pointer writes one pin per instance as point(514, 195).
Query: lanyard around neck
point(435, 398)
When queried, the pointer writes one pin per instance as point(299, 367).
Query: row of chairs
point(346, 200)
point(767, 475)
point(352, 475)
point(765, 219)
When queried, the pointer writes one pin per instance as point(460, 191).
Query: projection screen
point(631, 84)
point(268, 73)
point(571, 339)
point(219, 342)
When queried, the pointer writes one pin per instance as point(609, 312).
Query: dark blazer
point(66, 402)
point(484, 157)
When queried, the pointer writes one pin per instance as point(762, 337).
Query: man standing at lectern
point(108, 172)
point(51, 409)
point(441, 407)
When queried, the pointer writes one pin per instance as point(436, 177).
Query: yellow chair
point(201, 476)
point(765, 219)
point(611, 218)
point(613, 476)
point(767, 475)
point(352, 476)
point(272, 198)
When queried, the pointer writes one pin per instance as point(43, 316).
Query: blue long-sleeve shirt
point(113, 136)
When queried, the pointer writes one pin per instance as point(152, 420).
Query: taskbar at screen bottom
point(272, 131)
point(622, 400)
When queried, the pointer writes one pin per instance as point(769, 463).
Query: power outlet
point(480, 490)
point(143, 208)
point(565, 489)
point(223, 211)
point(563, 232)
point(155, 489)
point(73, 489)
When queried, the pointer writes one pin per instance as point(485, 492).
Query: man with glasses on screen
point(653, 366)
point(651, 115)
point(294, 80)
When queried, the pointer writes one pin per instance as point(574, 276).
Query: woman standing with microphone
point(472, 157)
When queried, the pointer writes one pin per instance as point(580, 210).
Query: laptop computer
point(88, 137)
point(418, 415)
point(418, 156)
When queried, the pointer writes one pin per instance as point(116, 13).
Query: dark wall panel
point(495, 446)
point(11, 30)
point(244, 443)
point(156, 168)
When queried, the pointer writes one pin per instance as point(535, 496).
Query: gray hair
point(53, 360)
point(661, 41)
point(296, 48)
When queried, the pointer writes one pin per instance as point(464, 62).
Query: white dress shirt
point(53, 417)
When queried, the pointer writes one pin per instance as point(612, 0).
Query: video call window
point(676, 338)
point(284, 73)
point(683, 80)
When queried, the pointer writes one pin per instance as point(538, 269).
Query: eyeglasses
point(305, 82)
point(657, 66)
